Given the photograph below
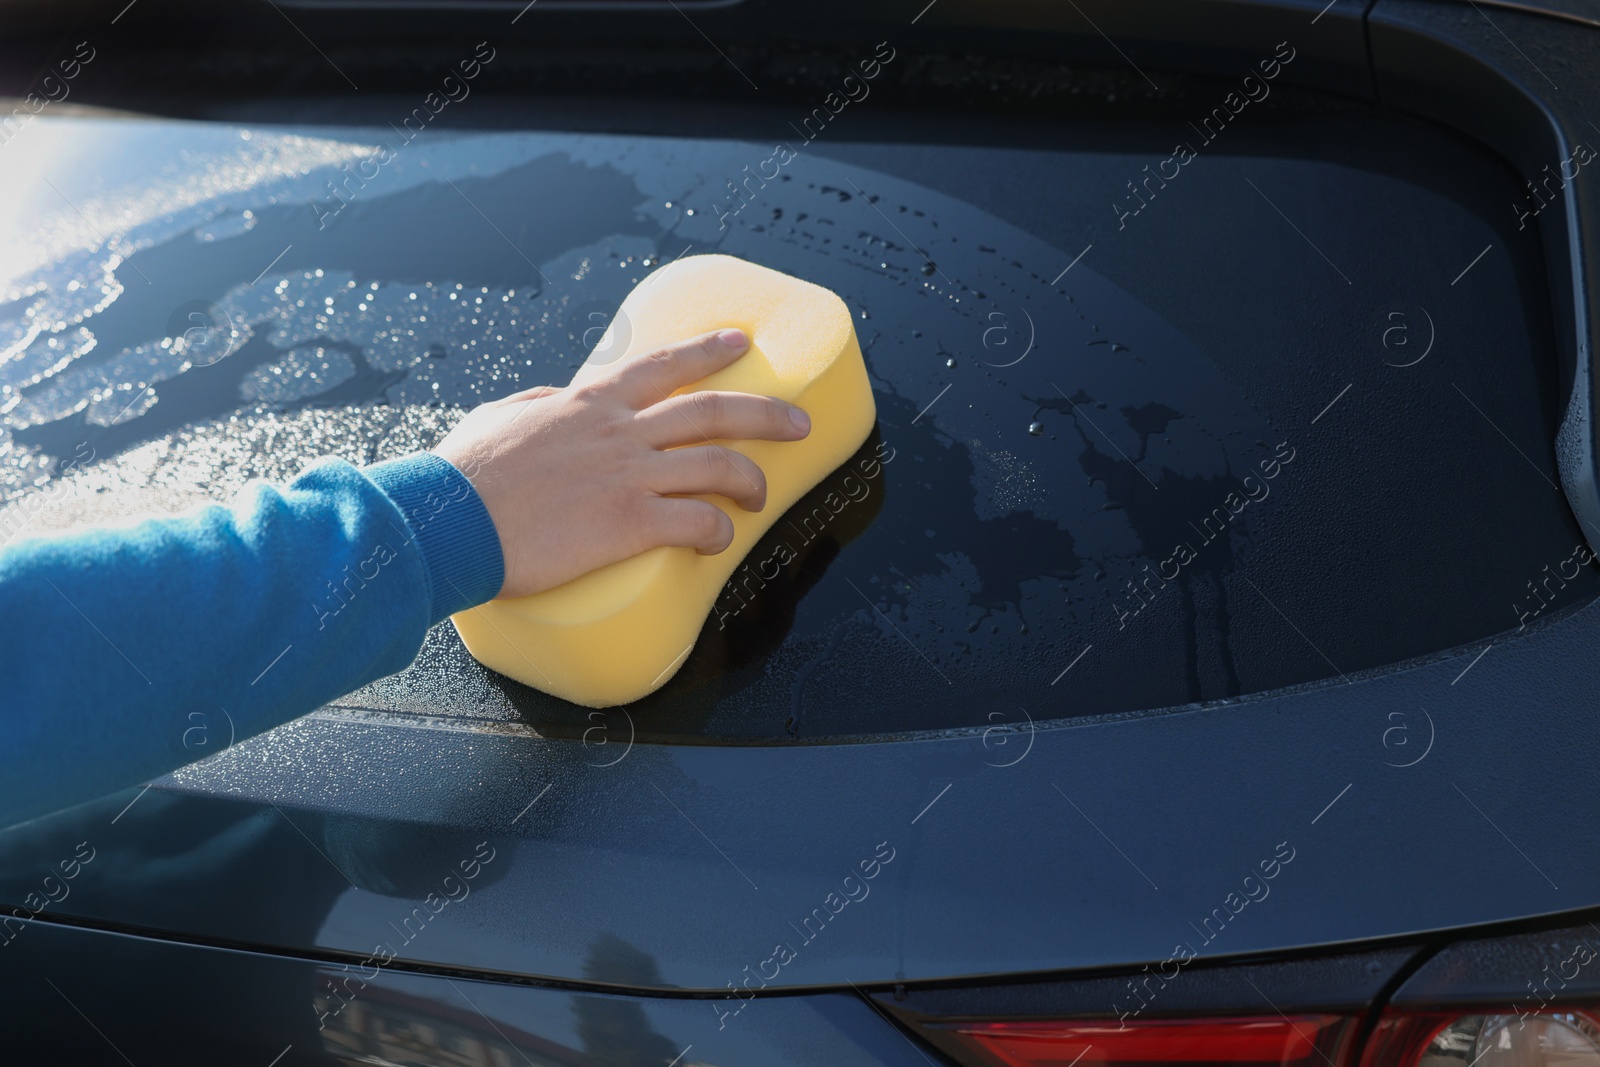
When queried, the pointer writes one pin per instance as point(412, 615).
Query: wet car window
point(1113, 472)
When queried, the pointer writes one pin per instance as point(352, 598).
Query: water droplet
point(1036, 428)
point(928, 268)
point(951, 362)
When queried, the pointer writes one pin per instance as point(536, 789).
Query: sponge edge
point(619, 633)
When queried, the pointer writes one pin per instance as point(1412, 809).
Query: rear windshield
point(1152, 430)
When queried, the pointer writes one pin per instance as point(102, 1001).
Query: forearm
point(119, 641)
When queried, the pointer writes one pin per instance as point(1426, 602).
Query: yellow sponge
point(618, 633)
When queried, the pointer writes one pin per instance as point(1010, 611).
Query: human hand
point(580, 477)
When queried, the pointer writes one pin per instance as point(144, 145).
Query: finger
point(709, 414)
point(676, 520)
point(534, 393)
point(654, 376)
point(711, 469)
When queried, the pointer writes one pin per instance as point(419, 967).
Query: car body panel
point(1432, 795)
point(70, 999)
point(1120, 840)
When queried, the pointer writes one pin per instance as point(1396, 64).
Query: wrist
point(450, 526)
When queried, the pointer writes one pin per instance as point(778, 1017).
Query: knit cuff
point(452, 530)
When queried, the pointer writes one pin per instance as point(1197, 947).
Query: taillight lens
point(1262, 1041)
point(1436, 1039)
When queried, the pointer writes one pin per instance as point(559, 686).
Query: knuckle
point(589, 393)
point(709, 526)
point(663, 361)
point(635, 513)
point(712, 463)
point(708, 407)
point(777, 415)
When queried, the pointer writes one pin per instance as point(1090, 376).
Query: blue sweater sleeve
point(119, 642)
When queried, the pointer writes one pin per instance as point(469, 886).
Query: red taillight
point(1402, 1037)
point(1296, 1041)
point(1550, 1037)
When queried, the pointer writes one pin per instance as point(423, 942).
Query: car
point(1196, 665)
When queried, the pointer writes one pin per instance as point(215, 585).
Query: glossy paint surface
point(1085, 846)
point(1075, 832)
point(70, 999)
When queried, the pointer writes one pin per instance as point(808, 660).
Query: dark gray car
point(1197, 664)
